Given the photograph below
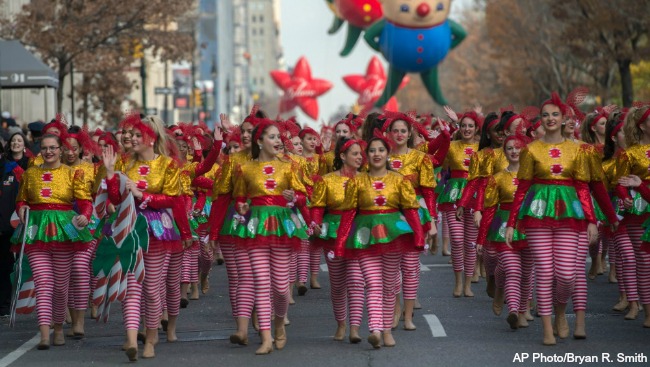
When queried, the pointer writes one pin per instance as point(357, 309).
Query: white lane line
point(323, 268)
point(438, 266)
point(13, 356)
point(436, 327)
point(424, 267)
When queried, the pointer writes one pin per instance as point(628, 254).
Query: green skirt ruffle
point(452, 191)
point(497, 231)
point(555, 202)
point(640, 206)
point(376, 229)
point(330, 226)
point(423, 211)
point(274, 223)
point(47, 228)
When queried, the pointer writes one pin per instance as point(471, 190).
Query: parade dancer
point(385, 225)
point(54, 232)
point(269, 234)
point(346, 281)
point(552, 203)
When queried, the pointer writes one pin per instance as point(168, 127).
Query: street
point(450, 332)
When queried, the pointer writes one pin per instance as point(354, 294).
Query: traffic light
point(198, 100)
point(138, 49)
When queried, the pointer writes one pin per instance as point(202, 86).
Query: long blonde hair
point(161, 144)
point(631, 128)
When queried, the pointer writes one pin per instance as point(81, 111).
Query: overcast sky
point(304, 33)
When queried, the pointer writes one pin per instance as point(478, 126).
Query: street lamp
point(214, 74)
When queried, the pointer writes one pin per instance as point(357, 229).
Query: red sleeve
point(218, 214)
point(622, 192)
point(200, 201)
point(484, 227)
point(18, 172)
point(439, 147)
point(209, 161)
point(161, 201)
point(197, 156)
point(347, 218)
point(480, 194)
point(518, 200)
point(20, 204)
point(429, 196)
point(317, 215)
point(203, 182)
point(85, 208)
point(113, 188)
point(413, 219)
point(182, 221)
point(468, 193)
point(582, 189)
point(602, 198)
point(301, 199)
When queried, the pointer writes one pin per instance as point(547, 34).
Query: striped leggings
point(206, 253)
point(579, 296)
point(380, 272)
point(307, 261)
point(162, 280)
point(554, 252)
point(190, 264)
point(642, 263)
point(463, 242)
point(625, 264)
point(228, 252)
point(271, 282)
point(410, 271)
point(51, 272)
point(131, 303)
point(490, 259)
point(346, 289)
point(79, 290)
point(517, 269)
point(245, 294)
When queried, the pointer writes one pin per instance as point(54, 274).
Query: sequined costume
point(483, 164)
point(417, 168)
point(457, 161)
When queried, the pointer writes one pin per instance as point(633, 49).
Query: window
point(254, 31)
point(261, 31)
point(261, 18)
point(254, 19)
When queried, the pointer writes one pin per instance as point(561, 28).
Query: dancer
point(462, 233)
point(346, 282)
point(345, 128)
point(273, 186)
point(553, 204)
point(55, 232)
point(386, 224)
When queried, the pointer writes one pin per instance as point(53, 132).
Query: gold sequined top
point(53, 186)
point(254, 179)
point(329, 161)
point(212, 174)
point(486, 162)
point(563, 161)
point(501, 188)
point(314, 165)
point(158, 176)
point(415, 166)
point(90, 174)
point(329, 192)
point(35, 161)
point(187, 175)
point(634, 161)
point(609, 166)
point(224, 183)
point(392, 191)
point(459, 156)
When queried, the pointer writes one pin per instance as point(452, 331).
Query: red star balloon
point(371, 85)
point(300, 89)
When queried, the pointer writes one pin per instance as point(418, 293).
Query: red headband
point(512, 119)
point(85, 142)
point(351, 142)
point(252, 119)
point(472, 115)
point(492, 123)
point(352, 121)
point(556, 101)
point(263, 125)
point(376, 134)
point(308, 130)
point(522, 140)
point(108, 139)
point(644, 117)
point(616, 129)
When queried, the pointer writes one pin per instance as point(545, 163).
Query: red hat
point(85, 142)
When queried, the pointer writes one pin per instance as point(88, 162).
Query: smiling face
point(467, 129)
point(343, 131)
point(496, 137)
point(399, 133)
point(137, 142)
point(297, 145)
point(377, 154)
point(183, 148)
point(551, 118)
point(309, 143)
point(125, 137)
point(246, 134)
point(512, 150)
point(416, 13)
point(270, 141)
point(71, 151)
point(51, 150)
point(17, 144)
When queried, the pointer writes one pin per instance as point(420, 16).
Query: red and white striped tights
point(410, 271)
point(626, 264)
point(245, 293)
point(190, 263)
point(462, 236)
point(579, 296)
point(162, 281)
point(490, 259)
point(51, 272)
point(79, 290)
point(554, 253)
point(635, 232)
point(515, 270)
point(271, 282)
point(131, 303)
point(346, 280)
point(228, 252)
point(307, 260)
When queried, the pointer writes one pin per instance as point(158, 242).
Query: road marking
point(436, 327)
point(323, 268)
point(13, 356)
point(424, 267)
point(438, 266)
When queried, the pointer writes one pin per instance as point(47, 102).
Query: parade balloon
point(359, 14)
point(300, 89)
point(414, 37)
point(371, 85)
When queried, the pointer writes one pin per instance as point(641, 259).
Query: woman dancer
point(553, 205)
point(346, 282)
point(463, 233)
point(515, 261)
point(634, 161)
point(386, 224)
point(345, 128)
point(54, 232)
point(418, 169)
point(154, 181)
point(273, 186)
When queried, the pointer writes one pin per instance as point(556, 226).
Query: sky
point(303, 32)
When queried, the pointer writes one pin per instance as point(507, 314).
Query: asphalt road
point(468, 334)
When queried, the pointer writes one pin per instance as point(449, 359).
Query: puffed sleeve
point(347, 217)
point(224, 183)
point(491, 197)
point(474, 180)
point(239, 188)
point(582, 177)
point(407, 197)
point(318, 201)
point(525, 175)
point(297, 184)
point(439, 147)
point(428, 185)
point(81, 192)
